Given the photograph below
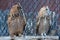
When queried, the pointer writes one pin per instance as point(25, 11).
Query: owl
point(43, 21)
point(16, 21)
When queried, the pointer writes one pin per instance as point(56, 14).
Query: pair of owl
point(17, 21)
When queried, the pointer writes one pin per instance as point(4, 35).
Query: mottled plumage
point(43, 21)
point(16, 21)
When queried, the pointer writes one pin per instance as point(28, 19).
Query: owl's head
point(44, 11)
point(15, 9)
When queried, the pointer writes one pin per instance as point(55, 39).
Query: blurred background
point(28, 7)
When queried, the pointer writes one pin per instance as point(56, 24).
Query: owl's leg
point(43, 34)
point(20, 34)
point(12, 36)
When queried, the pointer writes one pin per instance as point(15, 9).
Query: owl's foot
point(12, 39)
